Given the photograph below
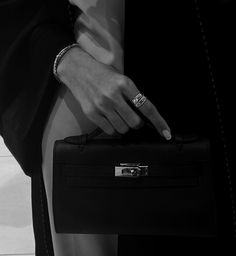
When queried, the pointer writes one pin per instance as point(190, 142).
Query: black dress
point(174, 63)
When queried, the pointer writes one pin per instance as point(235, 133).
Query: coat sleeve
point(32, 33)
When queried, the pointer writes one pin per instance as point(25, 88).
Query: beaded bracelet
point(59, 57)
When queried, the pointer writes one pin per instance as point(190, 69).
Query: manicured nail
point(166, 134)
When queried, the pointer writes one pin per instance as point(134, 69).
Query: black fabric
point(33, 32)
point(166, 57)
point(171, 245)
point(41, 226)
point(170, 65)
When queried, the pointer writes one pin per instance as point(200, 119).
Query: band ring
point(139, 100)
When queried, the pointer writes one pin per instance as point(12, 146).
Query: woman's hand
point(103, 93)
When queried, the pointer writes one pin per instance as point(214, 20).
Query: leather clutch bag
point(134, 185)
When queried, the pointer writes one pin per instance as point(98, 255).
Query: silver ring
point(139, 100)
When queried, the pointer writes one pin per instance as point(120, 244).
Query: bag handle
point(83, 139)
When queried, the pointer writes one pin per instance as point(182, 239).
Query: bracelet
point(59, 57)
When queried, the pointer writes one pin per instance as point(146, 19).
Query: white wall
point(16, 231)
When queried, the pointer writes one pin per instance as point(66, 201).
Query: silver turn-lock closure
point(131, 170)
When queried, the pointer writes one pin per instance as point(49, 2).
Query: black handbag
point(128, 186)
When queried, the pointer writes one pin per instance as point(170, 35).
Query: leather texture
point(176, 198)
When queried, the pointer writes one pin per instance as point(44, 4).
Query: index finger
point(149, 111)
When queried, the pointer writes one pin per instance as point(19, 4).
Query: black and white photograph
point(117, 127)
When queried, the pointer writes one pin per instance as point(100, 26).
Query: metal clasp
point(131, 170)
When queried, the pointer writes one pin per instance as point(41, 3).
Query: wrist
point(59, 59)
point(75, 62)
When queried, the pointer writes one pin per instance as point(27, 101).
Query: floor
point(16, 231)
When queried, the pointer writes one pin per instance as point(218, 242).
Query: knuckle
point(121, 81)
point(123, 129)
point(101, 102)
point(109, 131)
point(136, 122)
point(90, 111)
point(106, 128)
point(113, 93)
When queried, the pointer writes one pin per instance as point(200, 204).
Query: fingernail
point(166, 134)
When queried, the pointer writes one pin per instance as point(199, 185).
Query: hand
point(103, 93)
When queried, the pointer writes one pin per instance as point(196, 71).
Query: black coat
point(33, 32)
point(175, 60)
